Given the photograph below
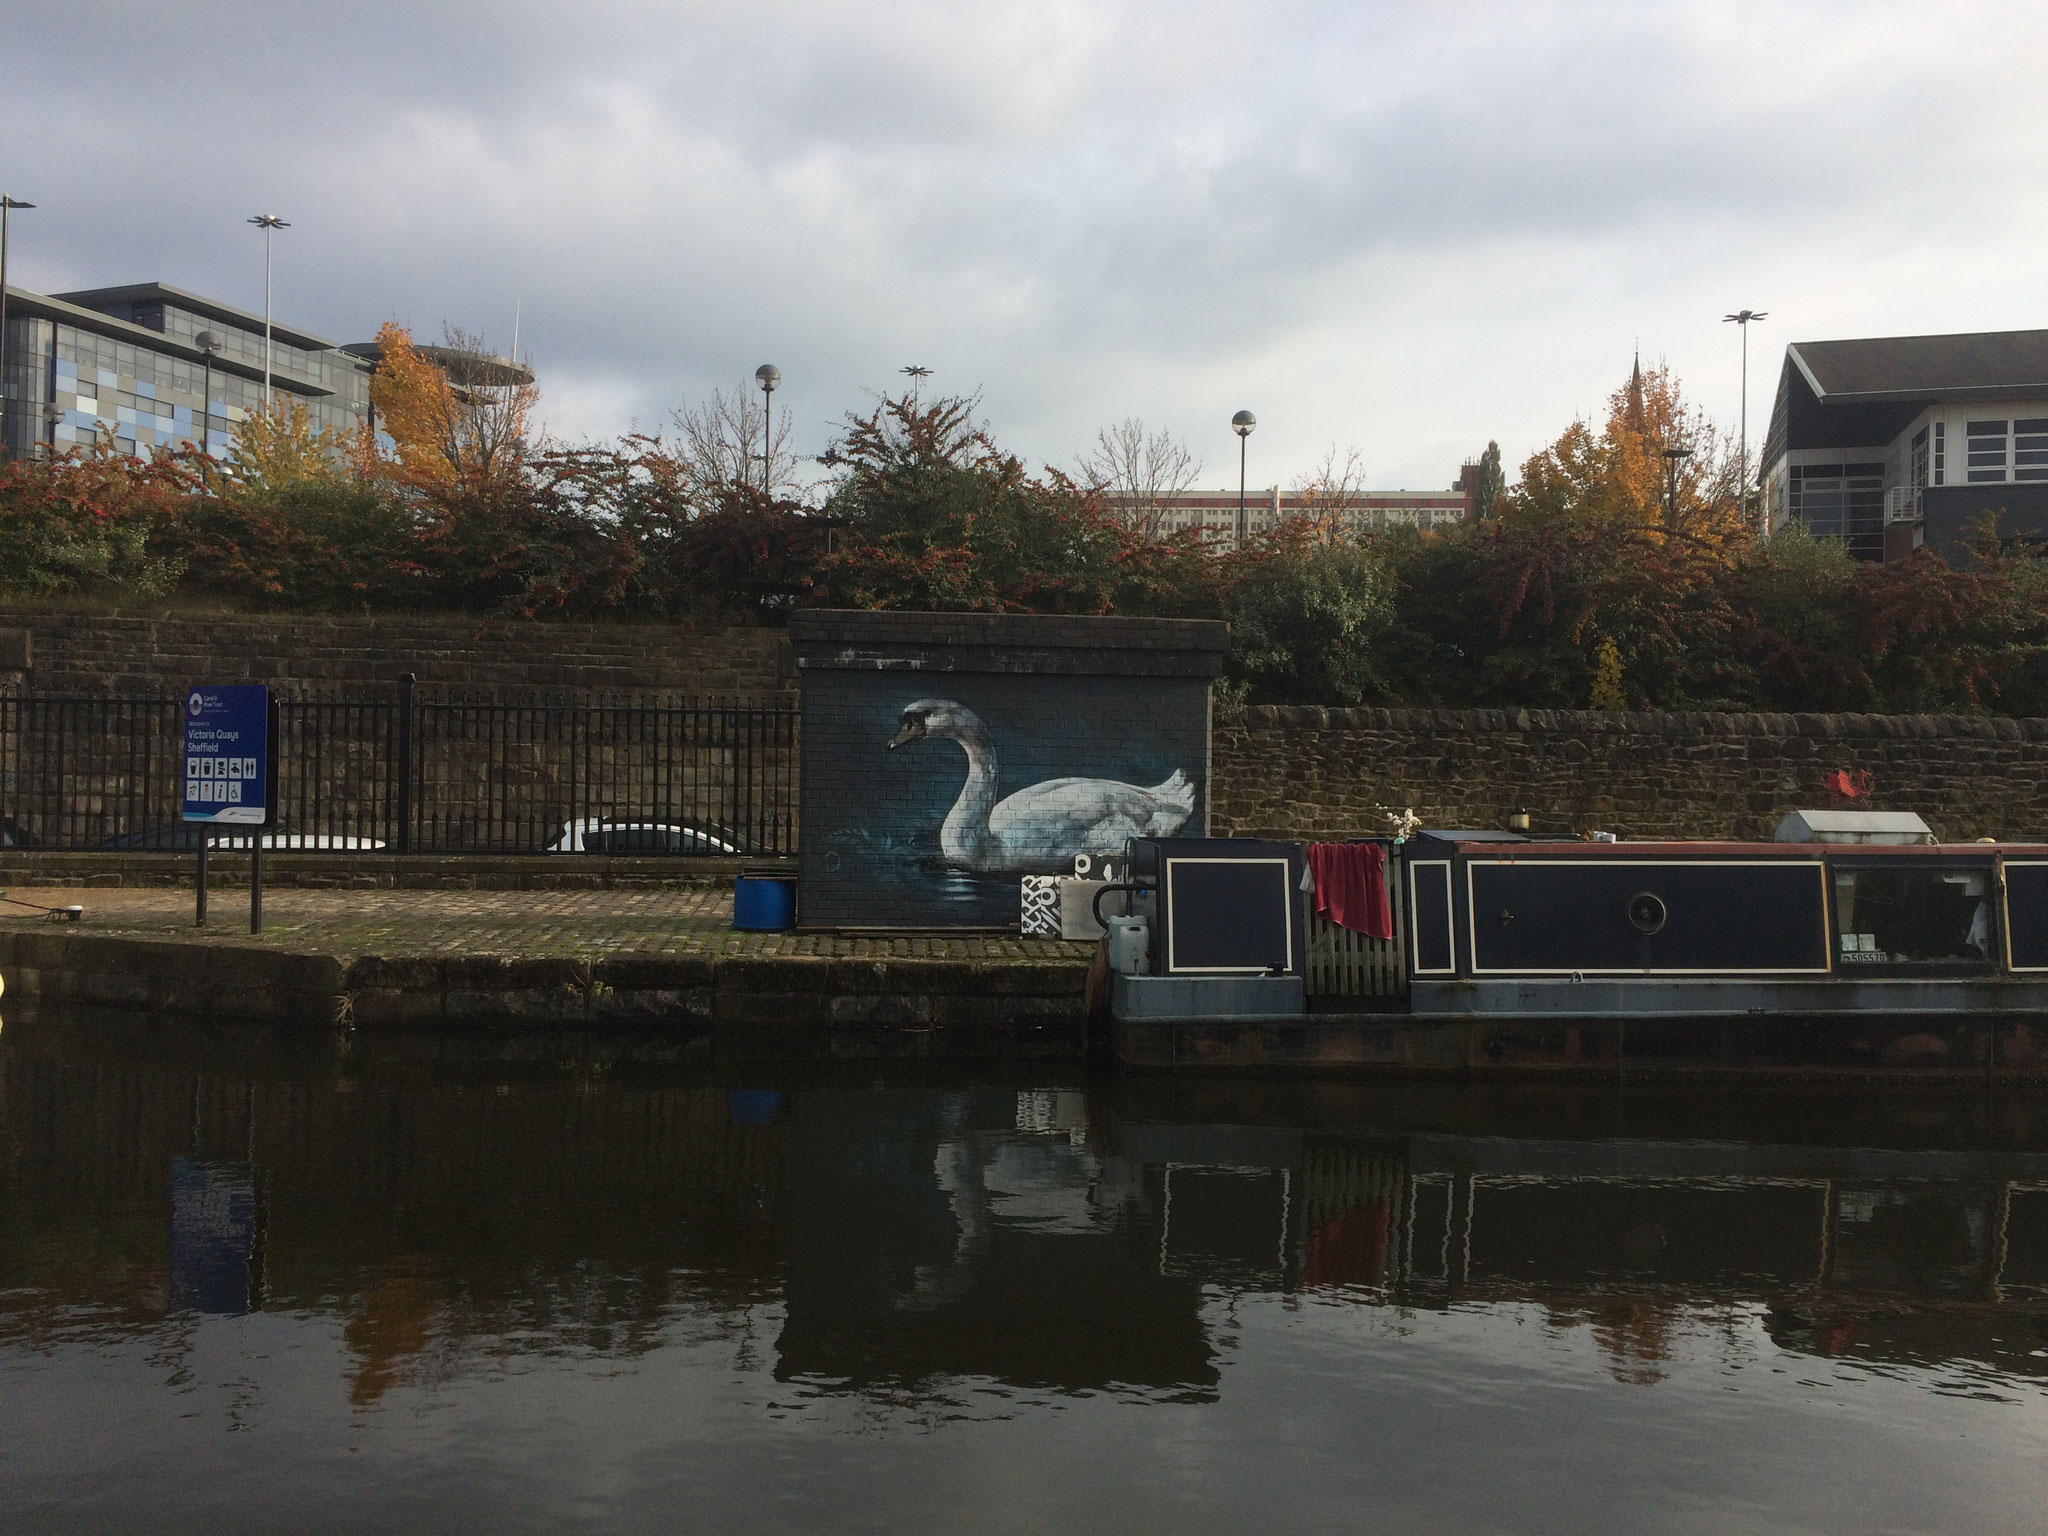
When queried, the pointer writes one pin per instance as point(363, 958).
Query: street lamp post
point(207, 342)
point(1673, 457)
point(1742, 318)
point(268, 223)
point(6, 203)
point(52, 414)
point(767, 376)
point(1242, 424)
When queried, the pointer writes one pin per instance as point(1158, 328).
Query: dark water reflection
point(251, 1285)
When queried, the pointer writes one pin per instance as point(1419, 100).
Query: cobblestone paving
point(676, 920)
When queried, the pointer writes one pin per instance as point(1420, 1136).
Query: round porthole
point(1645, 912)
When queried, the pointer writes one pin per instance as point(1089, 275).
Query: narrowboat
point(1226, 959)
point(1544, 928)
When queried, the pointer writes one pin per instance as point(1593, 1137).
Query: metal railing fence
point(410, 769)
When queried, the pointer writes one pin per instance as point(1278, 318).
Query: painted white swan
point(1039, 829)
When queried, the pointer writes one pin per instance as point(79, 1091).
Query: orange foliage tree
point(1605, 563)
point(452, 417)
point(1617, 480)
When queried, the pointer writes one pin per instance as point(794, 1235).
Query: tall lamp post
point(269, 223)
point(767, 376)
point(209, 343)
point(52, 414)
point(1742, 318)
point(1242, 424)
point(1673, 457)
point(6, 203)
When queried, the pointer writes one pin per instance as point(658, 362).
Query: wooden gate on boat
point(1346, 964)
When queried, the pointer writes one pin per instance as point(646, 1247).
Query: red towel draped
point(1351, 886)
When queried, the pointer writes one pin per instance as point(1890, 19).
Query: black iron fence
point(410, 769)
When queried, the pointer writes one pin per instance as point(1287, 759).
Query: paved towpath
point(674, 920)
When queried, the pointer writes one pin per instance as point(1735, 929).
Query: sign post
point(230, 774)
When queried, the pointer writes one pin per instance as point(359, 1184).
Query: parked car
point(600, 834)
point(190, 836)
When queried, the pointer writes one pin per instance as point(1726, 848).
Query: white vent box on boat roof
point(1883, 828)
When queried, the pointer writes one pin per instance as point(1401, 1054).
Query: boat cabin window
point(1912, 916)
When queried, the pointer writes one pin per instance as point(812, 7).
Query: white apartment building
point(1216, 512)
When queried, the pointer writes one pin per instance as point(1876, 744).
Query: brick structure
point(920, 730)
point(1302, 773)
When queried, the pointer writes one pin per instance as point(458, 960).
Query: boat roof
point(1531, 848)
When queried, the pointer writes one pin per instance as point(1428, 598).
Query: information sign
point(227, 754)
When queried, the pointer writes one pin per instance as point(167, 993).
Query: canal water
point(251, 1285)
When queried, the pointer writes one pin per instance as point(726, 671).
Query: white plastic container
point(1130, 946)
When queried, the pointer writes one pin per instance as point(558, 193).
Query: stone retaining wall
point(105, 654)
point(372, 871)
point(1282, 772)
point(512, 777)
point(813, 1008)
point(1307, 773)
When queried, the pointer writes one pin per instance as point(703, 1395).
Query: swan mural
point(1041, 827)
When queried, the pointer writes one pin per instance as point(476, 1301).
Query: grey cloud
point(1409, 226)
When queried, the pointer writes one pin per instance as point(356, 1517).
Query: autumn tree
point(1493, 483)
point(1307, 617)
point(278, 445)
point(936, 515)
point(455, 415)
point(1619, 536)
point(721, 443)
point(1327, 497)
point(85, 520)
point(1139, 474)
point(1618, 478)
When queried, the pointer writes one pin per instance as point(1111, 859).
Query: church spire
point(1636, 418)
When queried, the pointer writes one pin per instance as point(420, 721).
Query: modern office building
point(1896, 442)
point(125, 361)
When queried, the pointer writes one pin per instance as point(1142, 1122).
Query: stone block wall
point(799, 1007)
point(101, 654)
point(1288, 773)
point(76, 774)
point(1309, 773)
point(505, 778)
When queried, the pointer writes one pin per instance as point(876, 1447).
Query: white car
point(188, 836)
point(605, 835)
point(301, 842)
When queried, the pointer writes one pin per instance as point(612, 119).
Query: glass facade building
point(125, 362)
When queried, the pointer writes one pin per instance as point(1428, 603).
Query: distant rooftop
point(163, 293)
point(1889, 367)
point(477, 368)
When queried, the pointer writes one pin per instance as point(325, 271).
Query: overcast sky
point(1407, 228)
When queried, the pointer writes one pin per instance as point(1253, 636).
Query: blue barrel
point(764, 903)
